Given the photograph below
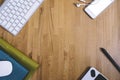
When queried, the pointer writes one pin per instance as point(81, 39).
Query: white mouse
point(5, 68)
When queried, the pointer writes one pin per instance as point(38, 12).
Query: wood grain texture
point(65, 41)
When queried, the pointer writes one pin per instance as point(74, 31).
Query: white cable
point(78, 5)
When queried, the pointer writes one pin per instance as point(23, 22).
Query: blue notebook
point(19, 72)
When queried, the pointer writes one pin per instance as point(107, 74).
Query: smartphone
point(93, 74)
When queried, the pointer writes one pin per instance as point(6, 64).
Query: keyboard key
point(17, 28)
point(6, 8)
point(20, 25)
point(5, 14)
point(2, 11)
point(25, 10)
point(28, 7)
point(13, 12)
point(12, 20)
point(21, 1)
point(23, 21)
point(0, 14)
point(14, 24)
point(14, 17)
point(25, 2)
point(16, 8)
point(13, 3)
point(11, 7)
point(18, 4)
point(16, 21)
point(17, 13)
point(8, 4)
point(20, 10)
point(11, 29)
point(14, 32)
point(16, 1)
point(8, 11)
point(30, 4)
point(23, 6)
point(0, 21)
point(33, 1)
point(19, 17)
point(10, 15)
point(8, 18)
point(8, 25)
point(22, 14)
point(3, 17)
point(4, 23)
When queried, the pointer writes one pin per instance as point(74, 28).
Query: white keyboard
point(14, 14)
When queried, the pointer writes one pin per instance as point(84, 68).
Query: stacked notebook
point(18, 73)
point(23, 66)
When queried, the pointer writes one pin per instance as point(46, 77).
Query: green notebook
point(25, 61)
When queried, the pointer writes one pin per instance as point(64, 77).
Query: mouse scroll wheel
point(93, 73)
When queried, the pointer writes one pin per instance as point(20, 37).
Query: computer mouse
point(5, 68)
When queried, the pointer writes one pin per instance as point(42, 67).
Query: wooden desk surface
point(65, 41)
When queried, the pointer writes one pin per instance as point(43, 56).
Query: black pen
point(110, 59)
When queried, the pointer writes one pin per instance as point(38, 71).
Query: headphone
point(83, 3)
